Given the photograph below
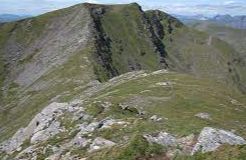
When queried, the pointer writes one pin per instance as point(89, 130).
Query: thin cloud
point(206, 9)
point(192, 7)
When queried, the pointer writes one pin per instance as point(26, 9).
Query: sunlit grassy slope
point(235, 38)
point(177, 102)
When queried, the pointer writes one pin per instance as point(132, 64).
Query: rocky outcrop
point(129, 108)
point(46, 50)
point(163, 138)
point(47, 124)
point(155, 118)
point(210, 139)
point(109, 123)
point(174, 145)
point(44, 134)
point(204, 116)
point(42, 127)
point(103, 55)
point(100, 143)
point(78, 141)
point(28, 152)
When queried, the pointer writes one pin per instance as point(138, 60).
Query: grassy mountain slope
point(53, 56)
point(177, 102)
point(44, 57)
point(199, 53)
point(234, 37)
point(125, 41)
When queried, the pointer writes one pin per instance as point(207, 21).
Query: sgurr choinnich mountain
point(116, 82)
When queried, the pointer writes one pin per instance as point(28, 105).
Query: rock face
point(42, 127)
point(155, 118)
point(43, 135)
point(210, 139)
point(163, 138)
point(53, 49)
point(203, 116)
point(108, 123)
point(100, 143)
point(79, 141)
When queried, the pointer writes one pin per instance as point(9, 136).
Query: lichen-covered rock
point(187, 143)
point(162, 84)
point(79, 141)
point(155, 118)
point(86, 128)
point(68, 156)
point(43, 135)
point(210, 139)
point(42, 127)
point(162, 71)
point(100, 143)
point(129, 108)
point(28, 153)
point(163, 138)
point(108, 123)
point(15, 142)
point(204, 116)
point(106, 105)
point(56, 156)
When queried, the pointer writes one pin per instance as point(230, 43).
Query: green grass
point(187, 97)
point(188, 51)
point(130, 42)
point(138, 147)
point(5, 33)
point(94, 109)
point(225, 152)
point(234, 38)
point(24, 34)
point(179, 103)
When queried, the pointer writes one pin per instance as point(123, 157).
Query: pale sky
point(183, 7)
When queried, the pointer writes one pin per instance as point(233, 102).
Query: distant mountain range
point(235, 22)
point(190, 18)
point(228, 20)
point(11, 17)
point(238, 22)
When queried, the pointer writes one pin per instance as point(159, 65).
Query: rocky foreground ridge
point(61, 128)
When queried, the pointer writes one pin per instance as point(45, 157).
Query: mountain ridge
point(237, 22)
point(73, 52)
point(142, 44)
point(232, 21)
